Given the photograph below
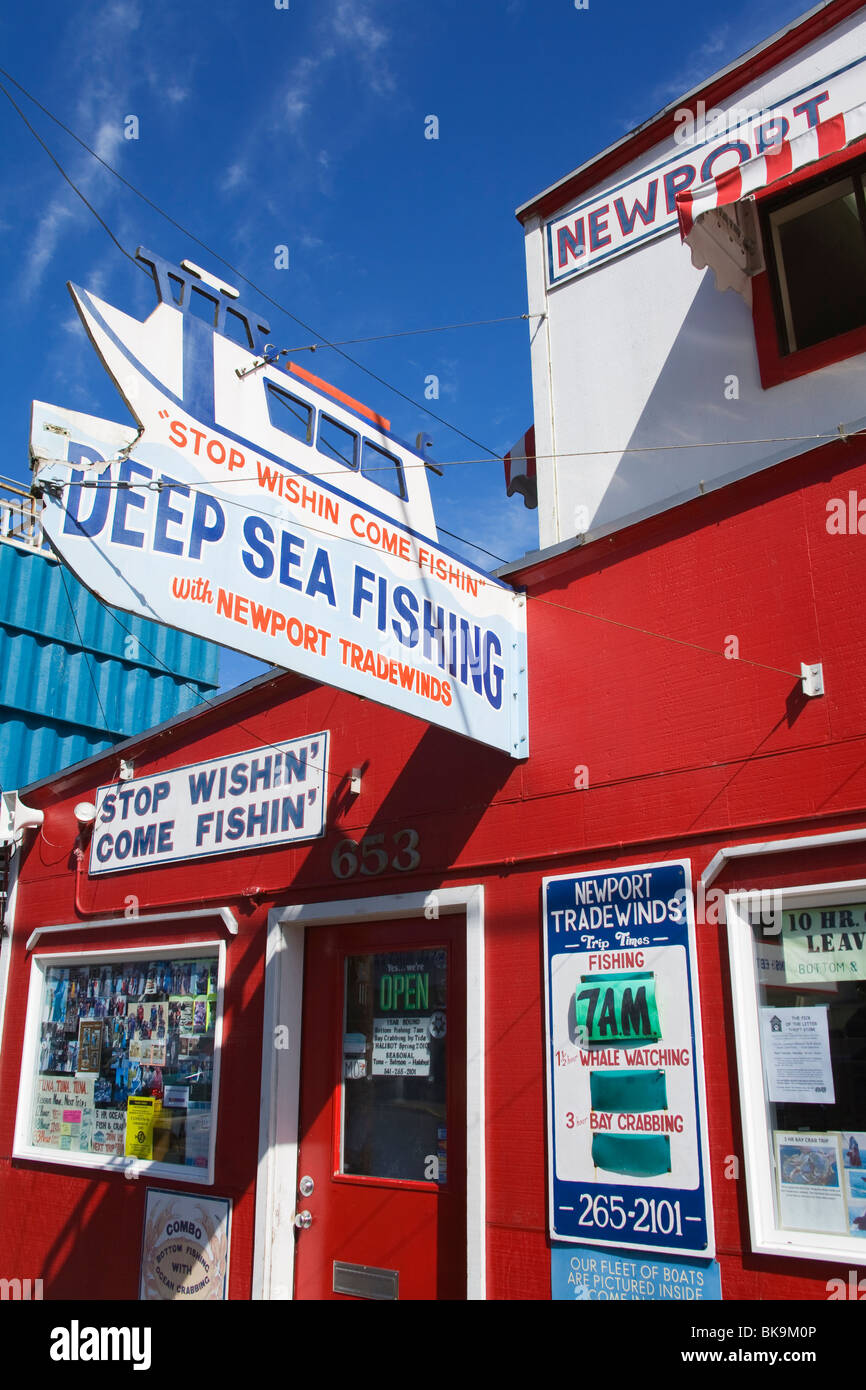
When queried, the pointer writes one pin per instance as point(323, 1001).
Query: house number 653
point(372, 858)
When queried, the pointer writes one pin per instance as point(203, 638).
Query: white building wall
point(637, 352)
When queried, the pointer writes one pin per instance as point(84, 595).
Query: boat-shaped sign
point(261, 508)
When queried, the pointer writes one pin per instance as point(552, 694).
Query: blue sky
point(305, 127)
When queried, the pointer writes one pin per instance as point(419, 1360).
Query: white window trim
point(6, 941)
point(277, 1183)
point(115, 1163)
point(768, 1238)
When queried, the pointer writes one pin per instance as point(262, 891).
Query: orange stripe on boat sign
point(338, 395)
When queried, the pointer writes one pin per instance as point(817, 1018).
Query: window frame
point(403, 494)
point(776, 363)
point(274, 388)
point(767, 1236)
point(115, 1163)
point(324, 417)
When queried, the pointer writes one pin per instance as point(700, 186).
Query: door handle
point(303, 1220)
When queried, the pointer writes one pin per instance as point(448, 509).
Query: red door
point(382, 1159)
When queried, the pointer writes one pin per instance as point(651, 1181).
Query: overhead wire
point(222, 259)
point(85, 651)
point(826, 438)
point(76, 190)
point(492, 455)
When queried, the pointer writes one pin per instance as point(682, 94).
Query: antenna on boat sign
point(424, 441)
point(212, 280)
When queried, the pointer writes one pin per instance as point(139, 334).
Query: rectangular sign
point(610, 223)
point(824, 944)
point(185, 1247)
point(626, 1109)
point(285, 568)
point(401, 1046)
point(271, 795)
point(593, 1274)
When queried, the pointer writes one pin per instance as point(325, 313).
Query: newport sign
point(262, 509)
point(706, 144)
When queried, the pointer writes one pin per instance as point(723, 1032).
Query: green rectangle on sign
point(617, 1008)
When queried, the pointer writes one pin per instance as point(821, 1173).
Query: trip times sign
point(627, 1123)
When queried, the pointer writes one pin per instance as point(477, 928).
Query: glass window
point(394, 1119)
point(289, 414)
point(819, 245)
point(124, 1059)
point(383, 469)
point(804, 1086)
point(338, 443)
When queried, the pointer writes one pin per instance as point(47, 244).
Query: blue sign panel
point(626, 1112)
point(592, 1273)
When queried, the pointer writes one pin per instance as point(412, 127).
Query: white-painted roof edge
point(666, 504)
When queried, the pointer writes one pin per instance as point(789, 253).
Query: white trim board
point(747, 850)
point(276, 1187)
point(768, 1237)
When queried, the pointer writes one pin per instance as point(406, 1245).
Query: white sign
point(271, 795)
point(626, 1123)
point(824, 944)
point(185, 1247)
point(401, 1046)
point(610, 223)
point(796, 1048)
point(275, 540)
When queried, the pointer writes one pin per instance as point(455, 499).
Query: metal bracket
point(812, 678)
point(127, 770)
point(265, 361)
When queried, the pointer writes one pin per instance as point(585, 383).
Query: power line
point(647, 632)
point(337, 347)
point(85, 652)
point(222, 259)
point(491, 456)
point(412, 333)
point(464, 463)
point(75, 189)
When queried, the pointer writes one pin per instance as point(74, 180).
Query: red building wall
point(683, 751)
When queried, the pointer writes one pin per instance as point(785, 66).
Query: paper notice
point(796, 1048)
point(808, 1170)
point(401, 1047)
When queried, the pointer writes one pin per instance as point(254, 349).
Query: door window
point(395, 1039)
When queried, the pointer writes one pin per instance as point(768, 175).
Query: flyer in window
point(140, 1113)
point(63, 1112)
point(796, 1048)
point(809, 1176)
point(109, 1132)
point(826, 944)
point(401, 1046)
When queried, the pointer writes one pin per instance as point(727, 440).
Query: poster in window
point(796, 1047)
point(808, 1171)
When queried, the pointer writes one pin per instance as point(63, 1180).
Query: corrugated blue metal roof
point(67, 691)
